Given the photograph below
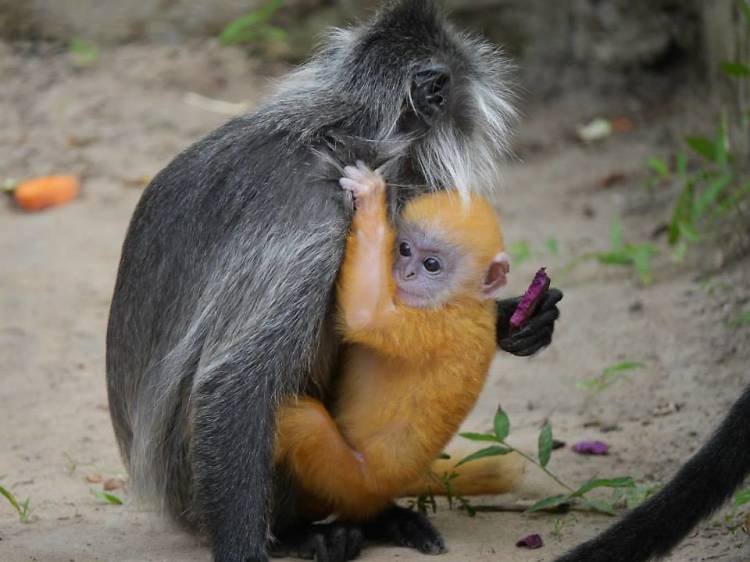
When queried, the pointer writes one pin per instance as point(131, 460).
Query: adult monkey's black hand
point(537, 333)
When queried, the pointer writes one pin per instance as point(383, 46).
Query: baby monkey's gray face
point(425, 269)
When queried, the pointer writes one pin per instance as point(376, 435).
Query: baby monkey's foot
point(365, 185)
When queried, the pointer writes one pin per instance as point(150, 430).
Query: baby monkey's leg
point(310, 442)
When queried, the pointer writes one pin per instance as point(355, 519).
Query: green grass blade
point(107, 497)
point(741, 498)
point(11, 498)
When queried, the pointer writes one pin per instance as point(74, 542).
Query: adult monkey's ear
point(430, 89)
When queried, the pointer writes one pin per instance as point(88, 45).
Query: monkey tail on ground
point(700, 487)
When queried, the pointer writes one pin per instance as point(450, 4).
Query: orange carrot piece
point(47, 191)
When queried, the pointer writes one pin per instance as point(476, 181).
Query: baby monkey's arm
point(366, 287)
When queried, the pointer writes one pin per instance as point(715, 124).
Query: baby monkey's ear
point(496, 277)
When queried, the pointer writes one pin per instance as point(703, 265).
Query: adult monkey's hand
point(537, 333)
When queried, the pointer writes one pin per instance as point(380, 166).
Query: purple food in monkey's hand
point(530, 299)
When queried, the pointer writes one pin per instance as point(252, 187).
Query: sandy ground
point(124, 117)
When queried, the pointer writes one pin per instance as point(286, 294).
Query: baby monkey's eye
point(404, 249)
point(431, 265)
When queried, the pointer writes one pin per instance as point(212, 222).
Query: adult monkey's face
point(444, 90)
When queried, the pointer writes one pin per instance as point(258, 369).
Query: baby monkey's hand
point(365, 185)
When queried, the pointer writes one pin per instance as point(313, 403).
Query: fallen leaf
point(667, 409)
point(113, 484)
point(611, 180)
point(746, 525)
point(138, 181)
point(532, 542)
point(621, 124)
point(93, 478)
point(76, 141)
point(591, 448)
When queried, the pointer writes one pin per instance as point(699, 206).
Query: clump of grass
point(739, 515)
point(22, 507)
point(83, 52)
point(254, 27)
point(636, 256)
point(716, 188)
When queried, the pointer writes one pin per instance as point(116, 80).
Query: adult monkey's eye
point(431, 265)
point(404, 249)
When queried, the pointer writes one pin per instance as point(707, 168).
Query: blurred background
point(629, 182)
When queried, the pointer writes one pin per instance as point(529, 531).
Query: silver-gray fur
point(224, 300)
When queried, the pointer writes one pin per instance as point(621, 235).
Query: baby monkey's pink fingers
point(350, 185)
point(354, 172)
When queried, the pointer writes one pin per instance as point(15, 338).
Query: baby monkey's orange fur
point(410, 375)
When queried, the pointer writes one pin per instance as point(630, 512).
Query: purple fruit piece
point(530, 299)
point(532, 542)
point(591, 448)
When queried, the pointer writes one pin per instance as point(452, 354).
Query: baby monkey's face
point(427, 269)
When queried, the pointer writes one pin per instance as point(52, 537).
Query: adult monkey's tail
point(700, 487)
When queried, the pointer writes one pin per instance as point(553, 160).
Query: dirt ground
point(121, 119)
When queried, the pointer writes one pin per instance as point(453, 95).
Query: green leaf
point(84, 52)
point(545, 444)
point(471, 436)
point(642, 263)
point(548, 503)
point(623, 482)
point(107, 497)
point(721, 143)
point(245, 28)
point(679, 252)
point(494, 451)
point(703, 146)
point(614, 258)
point(274, 33)
point(599, 505)
point(742, 498)
point(501, 424)
point(735, 69)
point(688, 232)
point(682, 212)
point(711, 194)
point(11, 498)
point(659, 167)
point(622, 366)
